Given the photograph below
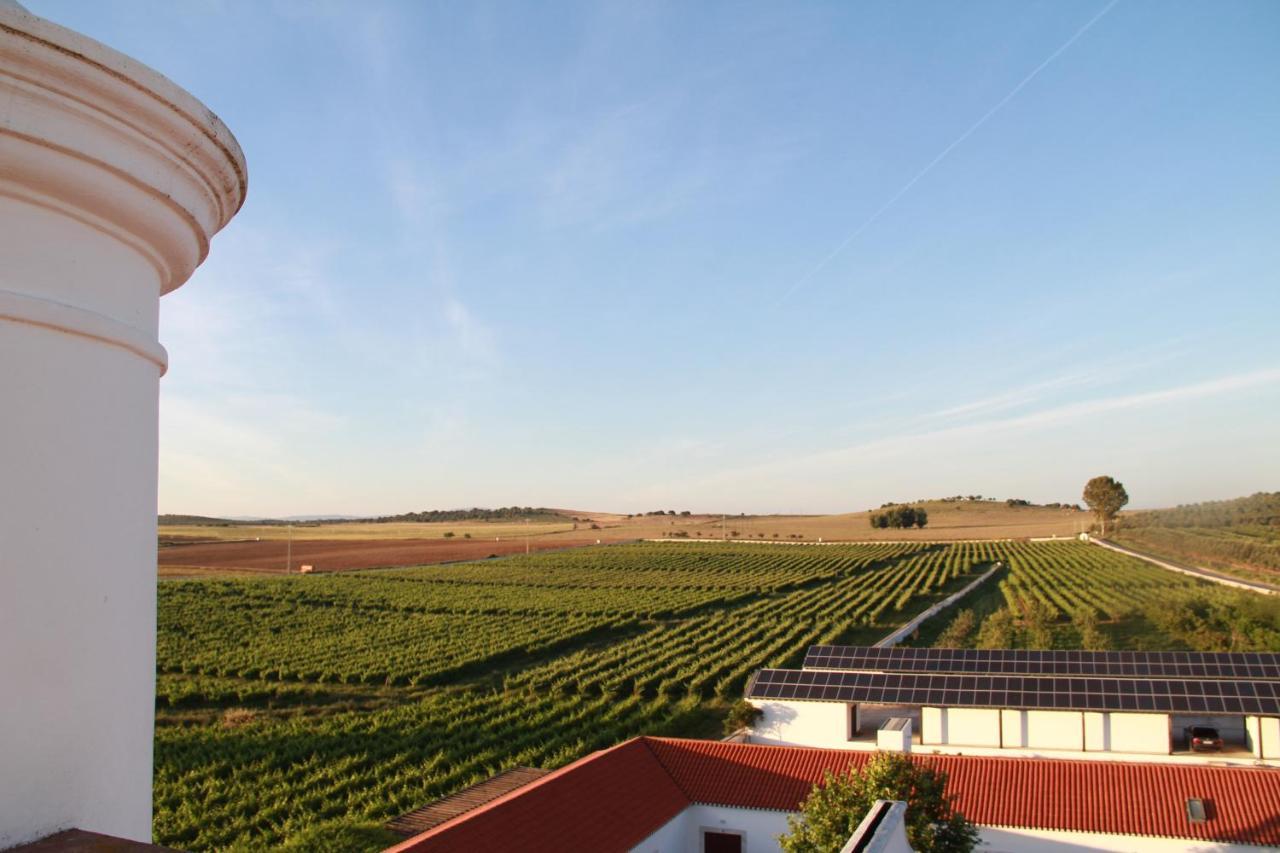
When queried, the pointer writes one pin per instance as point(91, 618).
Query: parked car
point(1203, 738)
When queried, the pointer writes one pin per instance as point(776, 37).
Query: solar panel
point(1029, 692)
point(1195, 665)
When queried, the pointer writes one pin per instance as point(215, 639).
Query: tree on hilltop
point(1105, 497)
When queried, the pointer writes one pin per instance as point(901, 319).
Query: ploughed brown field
point(231, 549)
point(333, 555)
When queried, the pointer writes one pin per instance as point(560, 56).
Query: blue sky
point(723, 256)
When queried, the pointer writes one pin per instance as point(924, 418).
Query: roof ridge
point(648, 744)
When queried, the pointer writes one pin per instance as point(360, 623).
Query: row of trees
point(1261, 508)
point(505, 513)
point(900, 516)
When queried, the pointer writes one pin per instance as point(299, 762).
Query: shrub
point(742, 714)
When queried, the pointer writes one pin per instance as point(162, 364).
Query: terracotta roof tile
point(614, 799)
point(1124, 798)
point(610, 800)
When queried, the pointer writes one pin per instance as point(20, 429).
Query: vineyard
point(1065, 595)
point(287, 706)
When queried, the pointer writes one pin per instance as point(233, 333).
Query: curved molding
point(47, 314)
point(81, 105)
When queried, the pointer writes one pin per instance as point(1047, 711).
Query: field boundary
point(908, 629)
point(1193, 571)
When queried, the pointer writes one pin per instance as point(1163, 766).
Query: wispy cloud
point(992, 430)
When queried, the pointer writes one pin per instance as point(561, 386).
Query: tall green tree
point(1105, 496)
point(834, 808)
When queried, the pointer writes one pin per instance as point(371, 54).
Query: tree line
point(899, 516)
point(505, 513)
point(1261, 508)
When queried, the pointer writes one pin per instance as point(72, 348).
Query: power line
point(857, 232)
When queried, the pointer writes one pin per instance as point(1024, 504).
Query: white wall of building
point(1013, 729)
point(1139, 732)
point(112, 181)
point(1006, 840)
point(1055, 730)
point(1263, 736)
point(760, 829)
point(826, 724)
point(1097, 732)
point(683, 833)
point(822, 724)
point(966, 726)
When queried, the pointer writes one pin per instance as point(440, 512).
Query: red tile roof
point(613, 799)
point(1123, 798)
point(610, 800)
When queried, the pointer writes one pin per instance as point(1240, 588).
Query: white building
point(663, 795)
point(1104, 704)
point(112, 182)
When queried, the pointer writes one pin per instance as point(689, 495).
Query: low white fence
point(910, 628)
point(1203, 574)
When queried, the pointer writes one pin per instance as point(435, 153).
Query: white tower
point(112, 182)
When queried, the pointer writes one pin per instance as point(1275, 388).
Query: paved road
point(1196, 571)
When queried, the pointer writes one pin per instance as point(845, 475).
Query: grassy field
point(294, 706)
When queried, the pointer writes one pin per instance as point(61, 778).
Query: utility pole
point(288, 560)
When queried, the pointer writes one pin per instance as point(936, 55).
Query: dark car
point(1203, 738)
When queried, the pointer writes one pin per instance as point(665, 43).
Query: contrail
point(857, 232)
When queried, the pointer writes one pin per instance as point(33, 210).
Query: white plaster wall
point(1139, 732)
point(1006, 840)
point(972, 726)
point(1252, 734)
point(1013, 725)
point(683, 833)
point(1055, 730)
point(1269, 728)
point(112, 181)
point(824, 724)
point(77, 586)
point(932, 726)
point(1097, 734)
point(669, 838)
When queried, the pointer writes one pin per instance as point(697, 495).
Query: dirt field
point(328, 555)
point(947, 521)
point(337, 547)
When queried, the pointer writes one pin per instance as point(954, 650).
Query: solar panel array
point(1215, 665)
point(1057, 693)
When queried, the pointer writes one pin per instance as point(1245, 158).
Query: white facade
point(830, 724)
point(760, 830)
point(824, 724)
point(1013, 840)
point(112, 182)
point(1069, 731)
point(1263, 735)
point(684, 832)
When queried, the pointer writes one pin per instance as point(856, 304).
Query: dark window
point(721, 842)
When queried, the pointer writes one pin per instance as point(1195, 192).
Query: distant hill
point(172, 520)
point(1261, 509)
point(1239, 536)
point(200, 520)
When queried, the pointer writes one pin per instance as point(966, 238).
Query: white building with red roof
point(664, 795)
